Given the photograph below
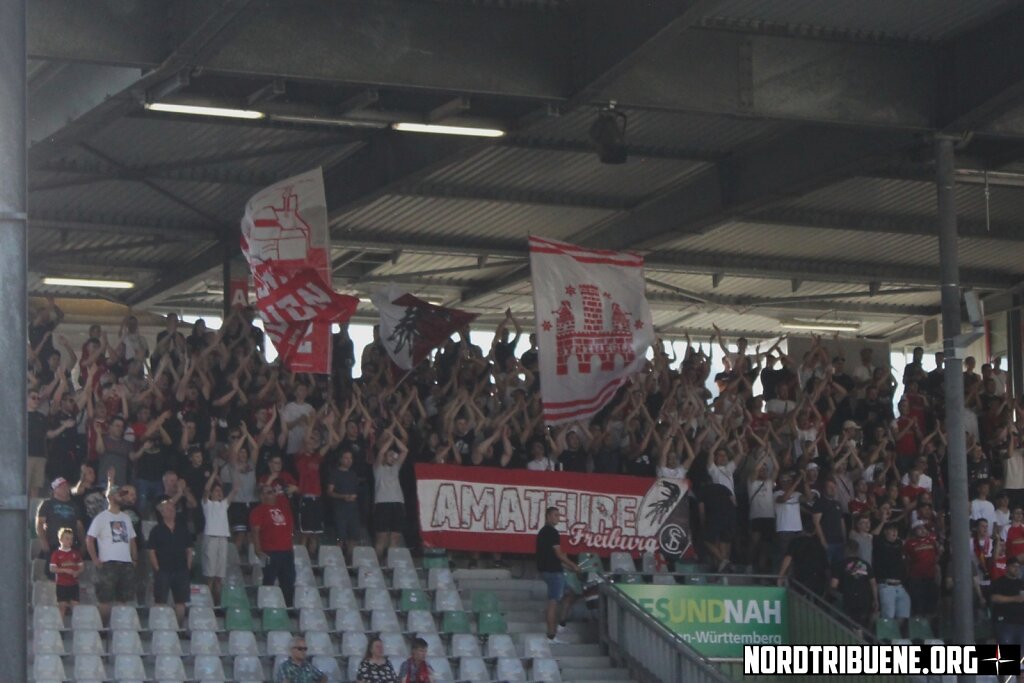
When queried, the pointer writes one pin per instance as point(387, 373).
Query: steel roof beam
point(881, 223)
point(118, 225)
point(514, 196)
point(983, 77)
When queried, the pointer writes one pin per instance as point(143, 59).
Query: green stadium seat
point(485, 601)
point(435, 562)
point(276, 619)
point(572, 584)
point(234, 596)
point(920, 627)
point(238, 619)
point(591, 562)
point(888, 629)
point(455, 622)
point(490, 623)
point(414, 599)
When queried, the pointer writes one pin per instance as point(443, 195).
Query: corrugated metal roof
point(929, 20)
point(132, 200)
point(532, 169)
point(753, 239)
point(702, 134)
point(143, 140)
point(735, 286)
point(454, 218)
point(414, 264)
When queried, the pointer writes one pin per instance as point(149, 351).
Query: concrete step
point(589, 649)
point(604, 675)
point(472, 575)
point(585, 662)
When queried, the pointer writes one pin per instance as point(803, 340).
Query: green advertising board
point(717, 621)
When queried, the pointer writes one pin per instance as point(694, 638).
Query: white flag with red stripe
point(593, 325)
point(286, 243)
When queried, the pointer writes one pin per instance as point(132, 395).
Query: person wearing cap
point(1008, 604)
point(855, 580)
point(113, 550)
point(170, 555)
point(923, 577)
point(55, 513)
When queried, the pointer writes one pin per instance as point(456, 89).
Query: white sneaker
point(556, 641)
point(561, 629)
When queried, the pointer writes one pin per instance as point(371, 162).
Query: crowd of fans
point(816, 477)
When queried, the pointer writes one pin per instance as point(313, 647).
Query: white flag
point(593, 325)
point(410, 328)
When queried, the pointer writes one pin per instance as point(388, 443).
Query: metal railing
point(648, 647)
point(628, 631)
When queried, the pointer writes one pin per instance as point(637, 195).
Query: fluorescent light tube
point(824, 325)
point(83, 282)
point(204, 111)
point(447, 130)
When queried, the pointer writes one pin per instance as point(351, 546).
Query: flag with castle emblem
point(593, 325)
point(285, 241)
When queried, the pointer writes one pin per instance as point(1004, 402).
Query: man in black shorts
point(718, 518)
point(856, 582)
point(170, 554)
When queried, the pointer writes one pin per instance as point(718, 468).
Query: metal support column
point(228, 254)
point(13, 408)
point(1014, 348)
point(956, 455)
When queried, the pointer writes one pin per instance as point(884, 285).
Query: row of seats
point(161, 617)
point(350, 644)
point(247, 668)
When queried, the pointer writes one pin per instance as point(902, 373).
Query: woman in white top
point(669, 466)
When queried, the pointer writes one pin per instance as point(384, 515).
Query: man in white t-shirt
point(864, 372)
point(216, 533)
point(295, 414)
point(788, 524)
point(982, 507)
point(111, 545)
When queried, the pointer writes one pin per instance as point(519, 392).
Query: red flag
point(411, 327)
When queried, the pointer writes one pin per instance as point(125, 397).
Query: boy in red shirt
point(66, 564)
point(1015, 534)
point(922, 570)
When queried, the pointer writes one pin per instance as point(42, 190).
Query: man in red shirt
point(922, 570)
point(272, 528)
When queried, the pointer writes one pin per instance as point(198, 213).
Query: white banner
point(285, 240)
point(593, 325)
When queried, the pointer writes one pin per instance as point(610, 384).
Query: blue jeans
point(894, 601)
point(556, 584)
point(836, 553)
point(1010, 634)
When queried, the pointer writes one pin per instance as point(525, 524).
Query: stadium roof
point(779, 151)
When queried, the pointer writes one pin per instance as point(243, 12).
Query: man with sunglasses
point(296, 669)
point(273, 526)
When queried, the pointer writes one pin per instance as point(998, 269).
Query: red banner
point(501, 510)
